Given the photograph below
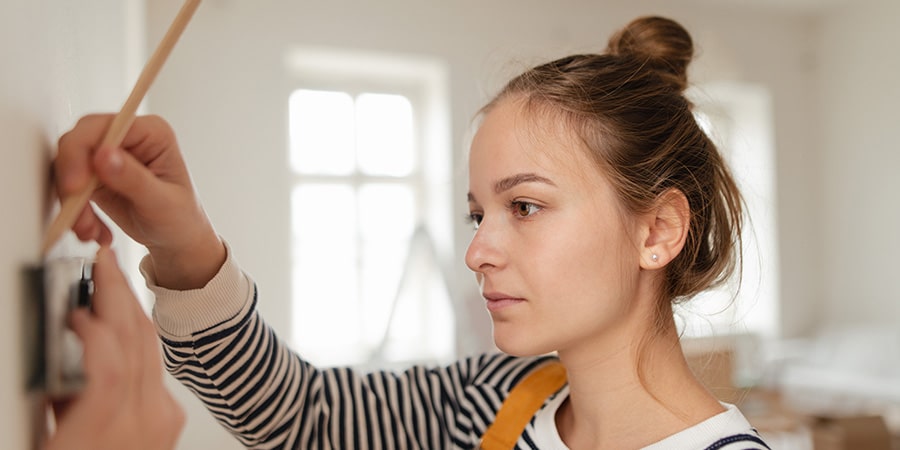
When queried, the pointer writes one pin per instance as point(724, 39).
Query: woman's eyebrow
point(515, 180)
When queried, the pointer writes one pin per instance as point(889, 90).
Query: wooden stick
point(72, 206)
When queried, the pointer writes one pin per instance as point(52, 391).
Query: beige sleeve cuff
point(179, 314)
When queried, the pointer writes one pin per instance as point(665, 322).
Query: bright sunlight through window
point(738, 118)
point(355, 208)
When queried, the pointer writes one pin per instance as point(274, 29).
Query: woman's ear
point(666, 229)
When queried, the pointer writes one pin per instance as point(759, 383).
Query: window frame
point(419, 90)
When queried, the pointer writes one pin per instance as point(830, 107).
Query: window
point(359, 156)
point(738, 118)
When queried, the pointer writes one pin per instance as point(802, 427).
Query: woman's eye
point(475, 219)
point(524, 209)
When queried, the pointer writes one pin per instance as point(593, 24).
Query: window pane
point(385, 134)
point(423, 323)
point(351, 233)
point(382, 267)
point(327, 316)
point(387, 219)
point(386, 211)
point(738, 118)
point(321, 132)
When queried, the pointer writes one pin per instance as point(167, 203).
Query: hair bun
point(663, 43)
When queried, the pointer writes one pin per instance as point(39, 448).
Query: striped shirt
point(218, 346)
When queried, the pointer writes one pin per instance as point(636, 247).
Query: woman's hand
point(124, 403)
point(146, 189)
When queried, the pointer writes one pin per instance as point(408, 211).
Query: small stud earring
point(654, 257)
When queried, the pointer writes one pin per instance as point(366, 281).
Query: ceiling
point(808, 6)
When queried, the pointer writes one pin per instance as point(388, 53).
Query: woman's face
point(556, 259)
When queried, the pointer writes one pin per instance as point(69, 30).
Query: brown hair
point(628, 108)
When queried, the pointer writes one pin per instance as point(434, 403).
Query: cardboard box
point(850, 433)
point(715, 369)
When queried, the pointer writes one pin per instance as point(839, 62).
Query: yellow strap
point(520, 406)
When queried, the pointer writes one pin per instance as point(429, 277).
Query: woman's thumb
point(121, 173)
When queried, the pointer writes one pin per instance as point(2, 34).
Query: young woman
point(597, 202)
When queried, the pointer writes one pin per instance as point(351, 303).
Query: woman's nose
point(484, 253)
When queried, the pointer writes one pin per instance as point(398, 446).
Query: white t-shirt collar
point(726, 423)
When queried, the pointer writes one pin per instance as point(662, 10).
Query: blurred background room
point(328, 142)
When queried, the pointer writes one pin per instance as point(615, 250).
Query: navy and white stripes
point(739, 440)
point(269, 398)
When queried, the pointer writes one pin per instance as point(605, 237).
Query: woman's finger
point(103, 353)
point(114, 304)
point(73, 163)
point(113, 300)
point(122, 173)
point(118, 294)
point(89, 227)
point(86, 226)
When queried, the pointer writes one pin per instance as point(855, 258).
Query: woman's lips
point(497, 302)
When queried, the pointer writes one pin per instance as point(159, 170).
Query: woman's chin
point(520, 346)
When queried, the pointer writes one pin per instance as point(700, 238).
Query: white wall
point(61, 59)
point(859, 144)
